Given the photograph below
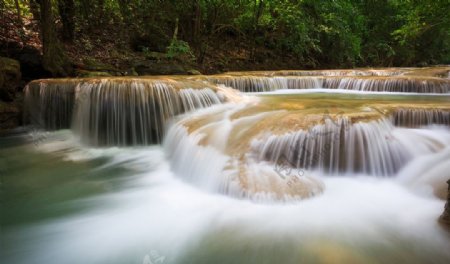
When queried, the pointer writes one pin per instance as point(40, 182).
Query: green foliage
point(11, 5)
point(179, 48)
point(316, 33)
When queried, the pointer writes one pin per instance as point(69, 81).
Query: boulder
point(10, 76)
point(9, 115)
point(194, 72)
point(445, 217)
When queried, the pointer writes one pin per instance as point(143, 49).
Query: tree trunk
point(196, 27)
point(175, 31)
point(19, 14)
point(34, 9)
point(259, 7)
point(125, 11)
point(67, 12)
point(100, 11)
point(54, 59)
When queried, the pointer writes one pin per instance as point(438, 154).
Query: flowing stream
point(190, 170)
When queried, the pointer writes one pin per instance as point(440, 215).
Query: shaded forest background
point(85, 38)
point(129, 37)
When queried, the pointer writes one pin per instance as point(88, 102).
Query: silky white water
point(157, 216)
point(237, 178)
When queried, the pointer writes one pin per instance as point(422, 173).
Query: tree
point(54, 59)
point(66, 10)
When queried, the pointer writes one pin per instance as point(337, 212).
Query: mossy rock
point(89, 74)
point(194, 72)
point(10, 76)
point(96, 66)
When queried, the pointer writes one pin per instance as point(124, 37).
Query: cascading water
point(406, 80)
point(367, 84)
point(49, 104)
point(403, 84)
point(265, 84)
point(421, 117)
point(374, 148)
point(202, 151)
point(114, 111)
point(298, 176)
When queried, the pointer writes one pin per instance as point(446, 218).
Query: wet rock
point(445, 217)
point(9, 115)
point(10, 76)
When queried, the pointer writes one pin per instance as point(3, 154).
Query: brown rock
point(445, 217)
point(9, 78)
point(9, 115)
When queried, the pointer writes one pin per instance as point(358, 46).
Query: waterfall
point(421, 117)
point(222, 150)
point(252, 84)
point(114, 111)
point(266, 84)
point(201, 152)
point(49, 104)
point(398, 84)
point(265, 147)
point(371, 84)
point(374, 148)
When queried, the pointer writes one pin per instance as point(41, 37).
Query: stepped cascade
point(212, 132)
point(248, 140)
point(402, 80)
point(254, 148)
point(191, 169)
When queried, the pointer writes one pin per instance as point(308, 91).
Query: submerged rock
point(445, 217)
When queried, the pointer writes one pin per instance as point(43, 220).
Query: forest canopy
point(307, 33)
